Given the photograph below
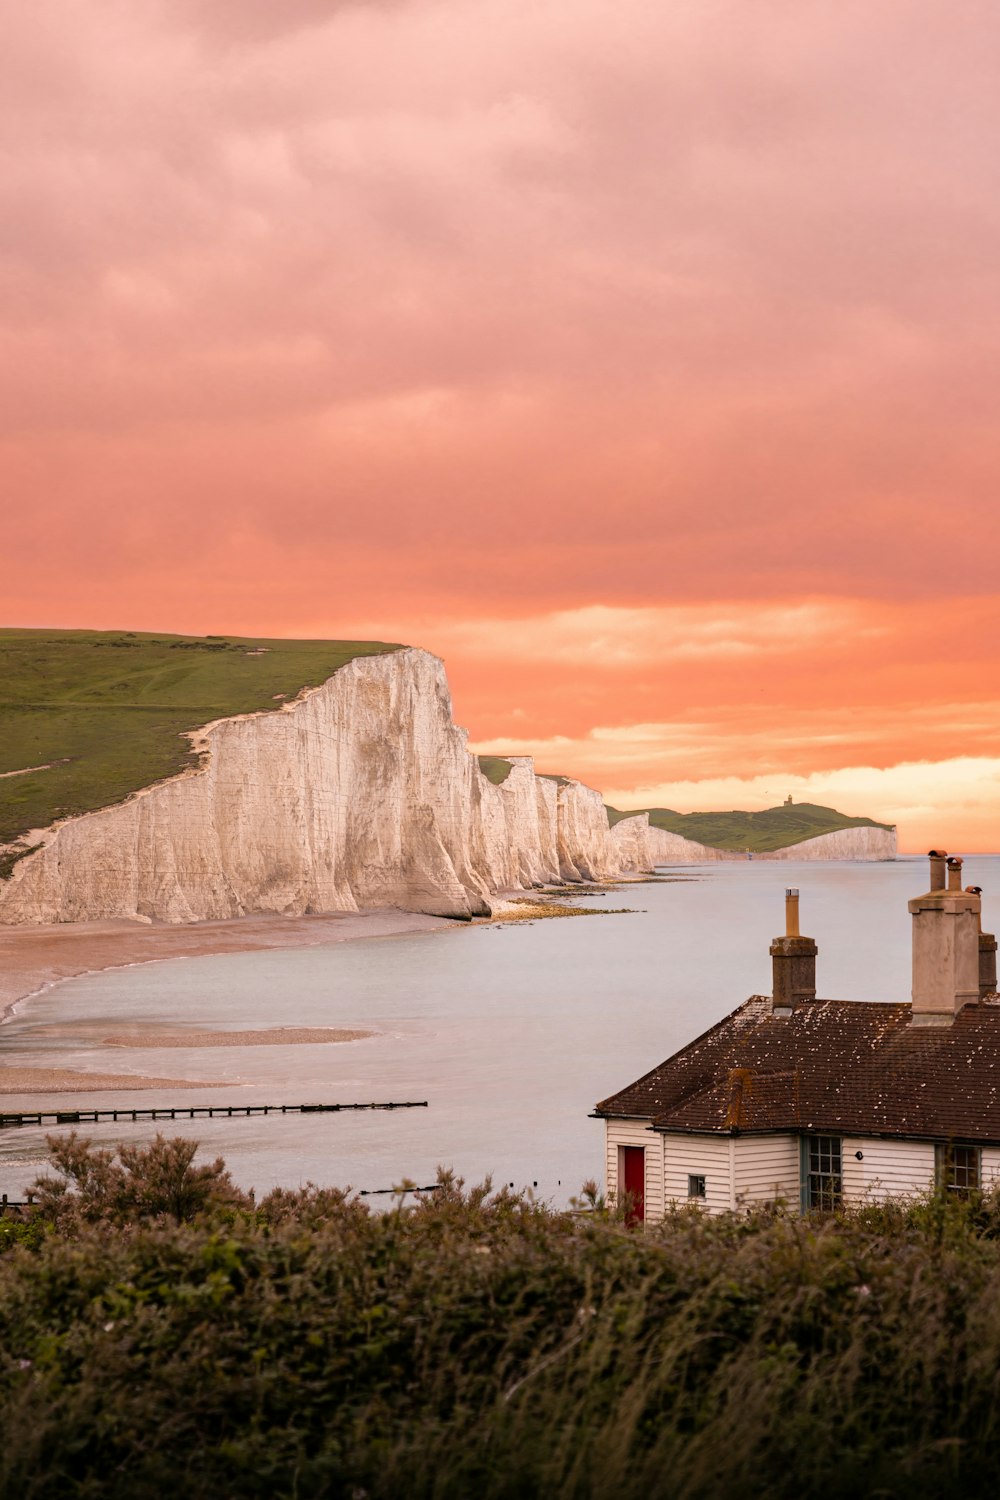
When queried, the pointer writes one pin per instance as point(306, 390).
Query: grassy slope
point(495, 768)
point(775, 828)
point(111, 707)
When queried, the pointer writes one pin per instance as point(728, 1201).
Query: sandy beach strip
point(65, 1081)
point(33, 958)
point(273, 1036)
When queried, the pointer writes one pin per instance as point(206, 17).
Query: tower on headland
point(788, 800)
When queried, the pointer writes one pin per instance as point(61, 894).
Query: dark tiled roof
point(833, 1066)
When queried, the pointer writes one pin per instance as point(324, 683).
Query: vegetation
point(163, 1334)
point(105, 713)
point(760, 832)
point(495, 768)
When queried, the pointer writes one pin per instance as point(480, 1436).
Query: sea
point(511, 1033)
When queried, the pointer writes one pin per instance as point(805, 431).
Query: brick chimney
point(793, 962)
point(987, 953)
point(946, 952)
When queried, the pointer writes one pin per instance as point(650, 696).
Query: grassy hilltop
point(761, 832)
point(105, 711)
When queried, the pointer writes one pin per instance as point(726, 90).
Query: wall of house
point(708, 1156)
point(768, 1168)
point(738, 1171)
point(741, 1171)
point(636, 1133)
point(888, 1169)
point(991, 1166)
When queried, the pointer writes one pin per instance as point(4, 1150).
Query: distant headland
point(753, 832)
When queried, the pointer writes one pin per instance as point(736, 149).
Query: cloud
point(615, 637)
point(657, 300)
point(253, 22)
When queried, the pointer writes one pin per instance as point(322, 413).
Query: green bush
point(146, 1182)
point(467, 1343)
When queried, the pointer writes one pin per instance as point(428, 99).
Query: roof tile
point(832, 1066)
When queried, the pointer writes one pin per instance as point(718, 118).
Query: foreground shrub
point(478, 1344)
point(132, 1184)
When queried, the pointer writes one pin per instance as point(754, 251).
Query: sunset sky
point(640, 357)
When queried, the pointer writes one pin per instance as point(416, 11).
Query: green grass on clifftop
point(106, 711)
point(761, 832)
point(495, 768)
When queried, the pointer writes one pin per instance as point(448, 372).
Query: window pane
point(959, 1168)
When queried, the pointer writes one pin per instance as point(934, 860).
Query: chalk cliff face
point(844, 843)
point(361, 793)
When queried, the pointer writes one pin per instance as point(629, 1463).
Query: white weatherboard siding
point(710, 1156)
point(887, 1169)
point(768, 1168)
point(991, 1166)
point(636, 1133)
point(743, 1171)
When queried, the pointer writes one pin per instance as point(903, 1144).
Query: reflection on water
point(511, 1032)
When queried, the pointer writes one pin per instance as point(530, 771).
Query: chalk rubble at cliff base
point(360, 794)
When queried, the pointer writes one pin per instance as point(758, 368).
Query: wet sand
point(33, 959)
point(530, 909)
point(22, 1081)
point(274, 1036)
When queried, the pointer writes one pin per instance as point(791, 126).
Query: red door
point(634, 1181)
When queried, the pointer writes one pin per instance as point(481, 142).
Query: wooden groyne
point(191, 1112)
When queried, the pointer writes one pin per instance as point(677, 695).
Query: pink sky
point(640, 358)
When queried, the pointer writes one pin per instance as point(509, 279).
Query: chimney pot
point(987, 965)
point(937, 858)
point(792, 912)
point(955, 873)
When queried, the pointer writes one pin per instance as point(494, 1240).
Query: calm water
point(512, 1032)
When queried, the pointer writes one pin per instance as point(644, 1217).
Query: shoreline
point(35, 959)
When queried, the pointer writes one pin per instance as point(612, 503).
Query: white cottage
point(821, 1102)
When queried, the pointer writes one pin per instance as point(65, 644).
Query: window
point(696, 1187)
point(823, 1184)
point(958, 1168)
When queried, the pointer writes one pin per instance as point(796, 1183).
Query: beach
point(35, 958)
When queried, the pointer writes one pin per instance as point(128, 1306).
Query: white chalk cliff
point(359, 794)
point(844, 843)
